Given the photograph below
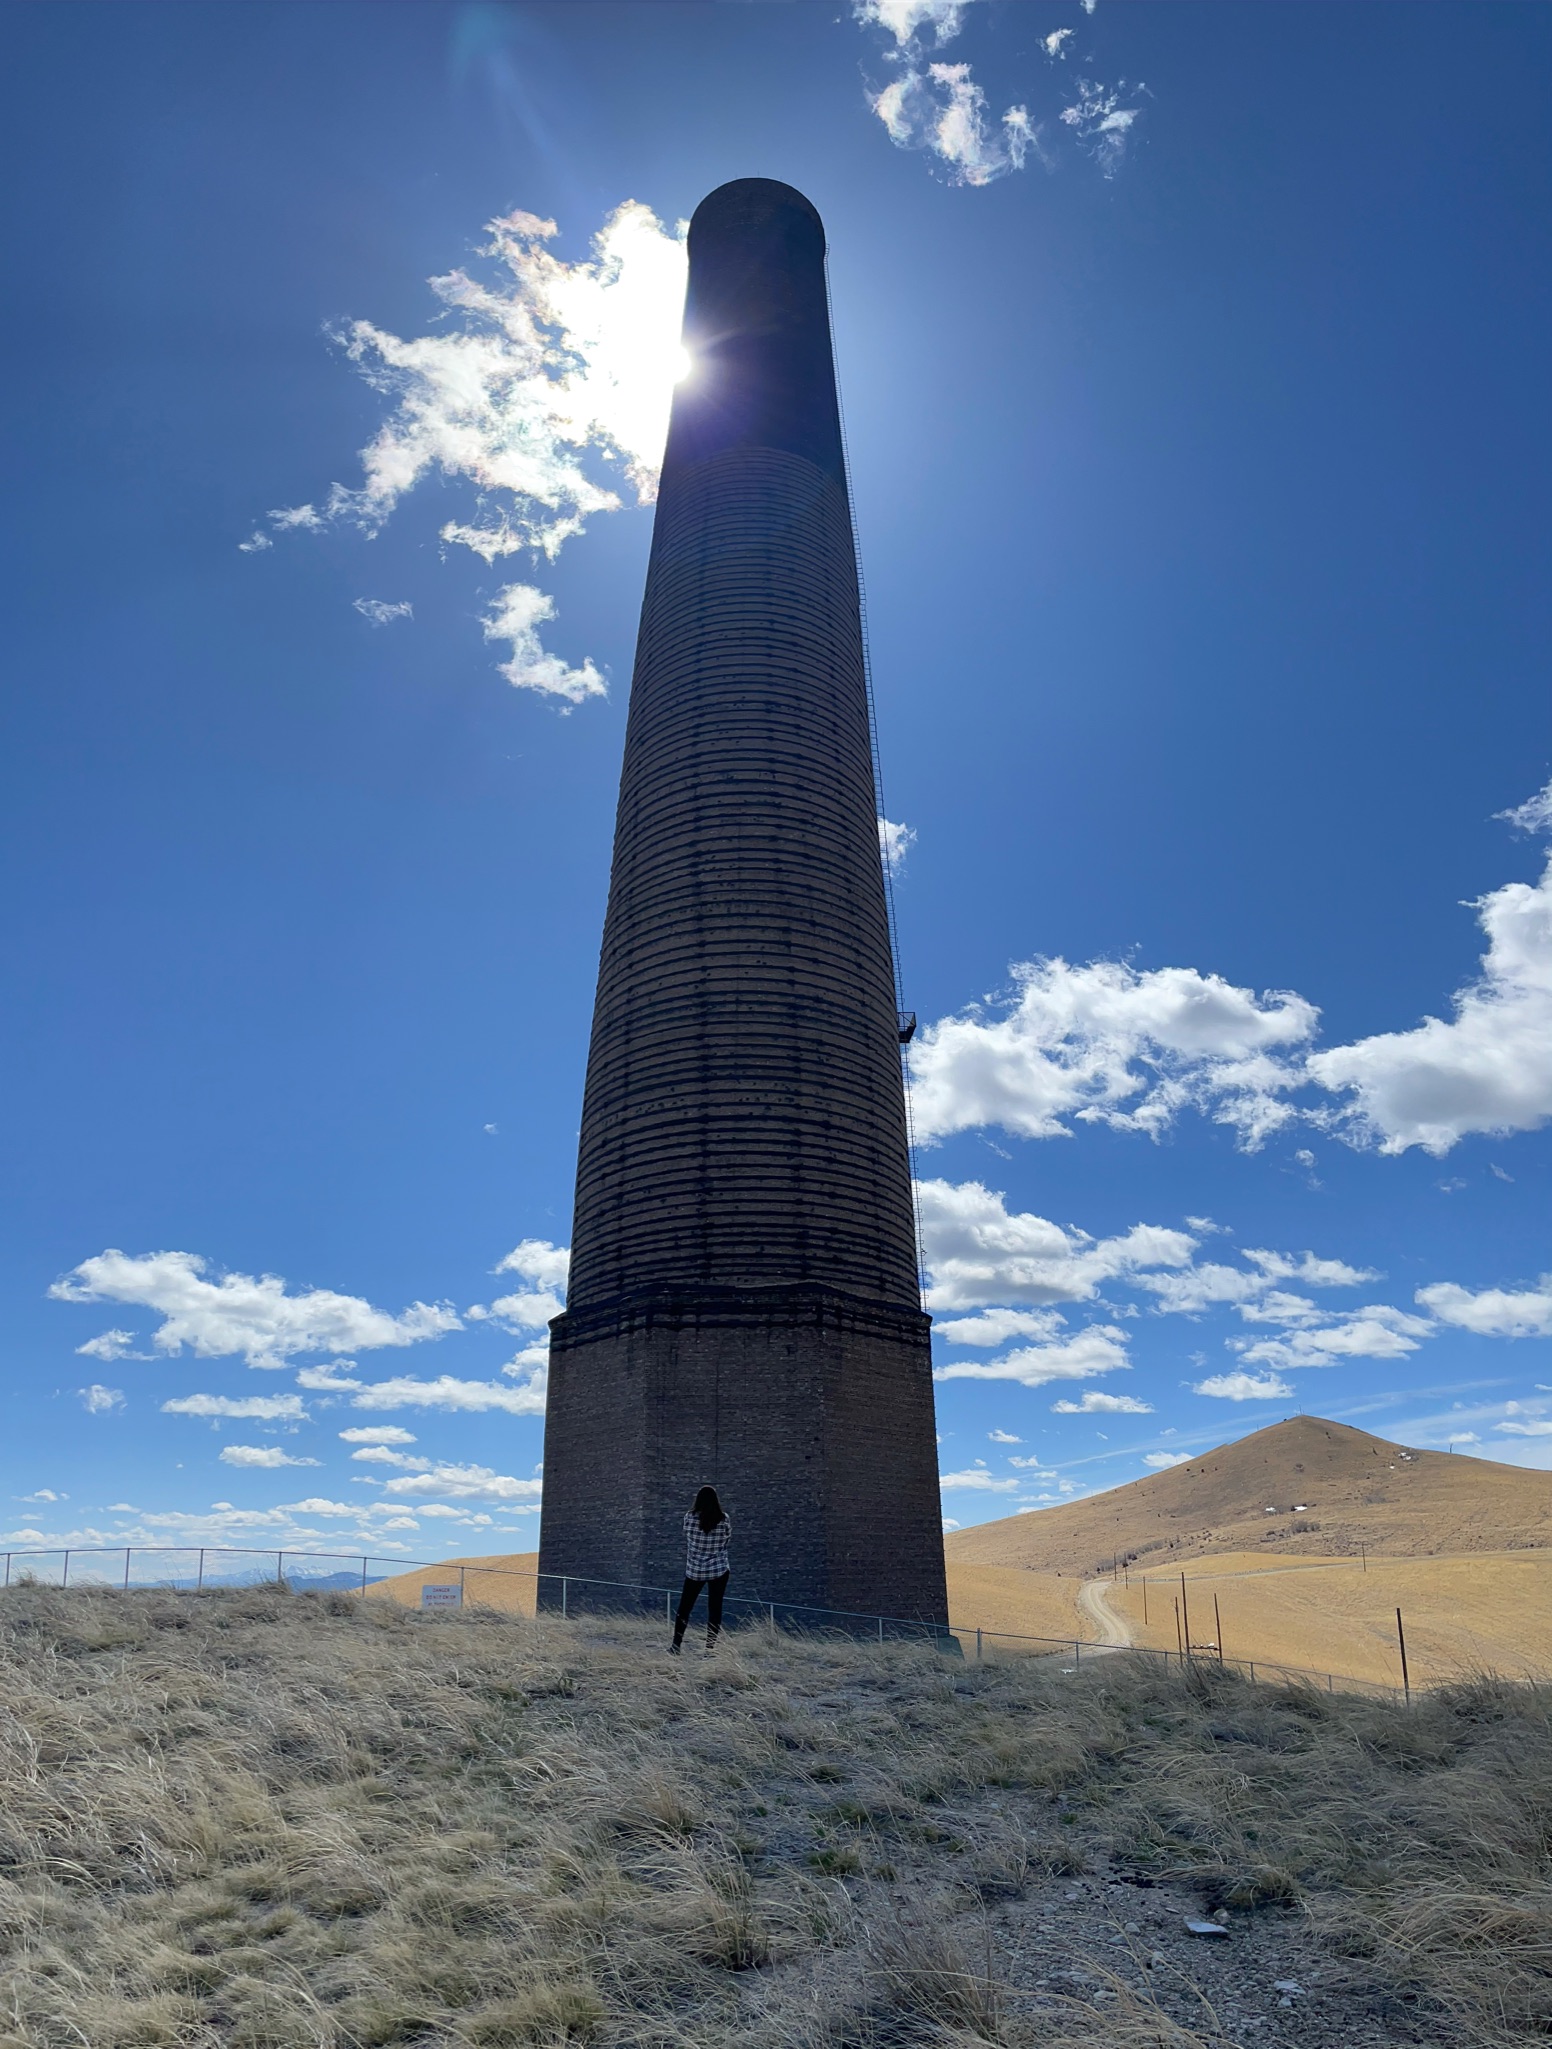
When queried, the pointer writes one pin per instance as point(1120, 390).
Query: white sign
point(441, 1597)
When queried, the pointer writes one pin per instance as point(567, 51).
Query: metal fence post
point(199, 1584)
point(8, 1568)
point(64, 1578)
point(565, 1585)
point(772, 1606)
point(881, 1629)
point(280, 1567)
point(1406, 1677)
point(1077, 1656)
point(978, 1646)
point(461, 1571)
point(363, 1575)
point(126, 1568)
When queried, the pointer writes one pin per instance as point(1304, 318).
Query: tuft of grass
point(266, 1820)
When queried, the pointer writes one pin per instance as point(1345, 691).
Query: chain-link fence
point(434, 1585)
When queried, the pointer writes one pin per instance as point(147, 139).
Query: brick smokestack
point(744, 1306)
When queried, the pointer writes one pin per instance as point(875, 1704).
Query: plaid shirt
point(706, 1551)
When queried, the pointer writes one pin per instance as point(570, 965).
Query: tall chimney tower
point(744, 1307)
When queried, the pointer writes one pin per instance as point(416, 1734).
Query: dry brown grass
point(1490, 1612)
point(276, 1821)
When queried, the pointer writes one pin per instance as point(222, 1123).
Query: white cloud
point(1251, 1289)
point(1003, 1437)
point(547, 370)
point(537, 1260)
point(1096, 1404)
point(255, 544)
point(905, 19)
point(385, 1455)
point(1054, 44)
point(1110, 1044)
point(527, 1311)
point(977, 1253)
point(113, 1344)
point(381, 613)
point(941, 109)
point(266, 1455)
point(1243, 1387)
point(1161, 1459)
point(377, 1433)
point(1032, 1468)
point(254, 1408)
point(465, 1483)
point(996, 1326)
point(1100, 122)
point(1534, 815)
point(949, 1524)
point(516, 615)
point(43, 1494)
point(445, 1392)
point(1375, 1332)
point(100, 1401)
point(894, 843)
point(1489, 1069)
point(979, 1479)
point(1099, 1349)
point(1494, 1312)
point(254, 1319)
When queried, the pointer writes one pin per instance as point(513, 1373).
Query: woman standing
point(707, 1535)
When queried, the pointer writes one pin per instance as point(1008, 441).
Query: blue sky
point(1193, 367)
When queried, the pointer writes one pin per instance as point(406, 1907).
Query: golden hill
point(1303, 1487)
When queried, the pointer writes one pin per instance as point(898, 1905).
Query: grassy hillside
point(1304, 1486)
point(264, 1820)
point(1482, 1612)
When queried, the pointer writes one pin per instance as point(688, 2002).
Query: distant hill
point(1300, 1486)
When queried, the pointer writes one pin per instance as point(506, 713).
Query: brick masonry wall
point(810, 1413)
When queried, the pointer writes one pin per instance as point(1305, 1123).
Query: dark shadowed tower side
point(743, 1306)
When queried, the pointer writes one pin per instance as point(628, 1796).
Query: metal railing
point(208, 1568)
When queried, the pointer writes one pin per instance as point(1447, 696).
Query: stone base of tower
point(809, 1411)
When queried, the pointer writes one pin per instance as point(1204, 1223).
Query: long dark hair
point(707, 1510)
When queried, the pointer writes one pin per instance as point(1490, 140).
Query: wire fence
point(193, 1569)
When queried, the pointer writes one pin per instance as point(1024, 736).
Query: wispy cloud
point(1162, 1460)
point(1101, 123)
point(266, 1456)
point(466, 1397)
point(98, 1400)
point(253, 1408)
point(240, 1316)
point(1096, 1404)
point(940, 108)
point(380, 613)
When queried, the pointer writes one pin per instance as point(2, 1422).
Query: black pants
point(715, 1589)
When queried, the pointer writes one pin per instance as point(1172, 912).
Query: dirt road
point(1094, 1605)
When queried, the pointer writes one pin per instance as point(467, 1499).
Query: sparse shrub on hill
point(272, 1821)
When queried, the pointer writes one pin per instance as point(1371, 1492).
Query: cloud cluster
point(1109, 1044)
point(240, 1316)
point(1106, 1043)
point(979, 1254)
point(1486, 1069)
point(1493, 1312)
point(530, 384)
point(446, 1392)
